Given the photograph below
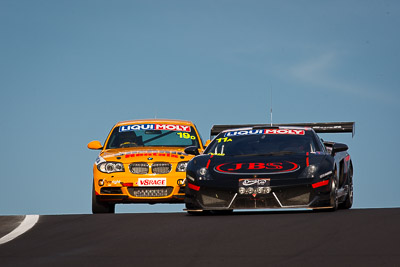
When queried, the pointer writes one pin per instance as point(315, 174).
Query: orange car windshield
point(151, 135)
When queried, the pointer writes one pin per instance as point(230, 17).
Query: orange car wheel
point(101, 207)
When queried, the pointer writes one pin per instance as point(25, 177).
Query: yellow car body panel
point(144, 173)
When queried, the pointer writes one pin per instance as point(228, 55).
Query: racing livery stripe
point(208, 162)
point(194, 187)
point(319, 184)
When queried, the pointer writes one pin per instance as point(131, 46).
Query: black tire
point(222, 212)
point(348, 203)
point(101, 207)
point(190, 206)
point(334, 201)
point(196, 213)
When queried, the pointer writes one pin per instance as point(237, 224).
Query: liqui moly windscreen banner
point(265, 131)
point(165, 127)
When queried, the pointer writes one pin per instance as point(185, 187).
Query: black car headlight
point(309, 172)
point(110, 167)
point(181, 166)
point(203, 174)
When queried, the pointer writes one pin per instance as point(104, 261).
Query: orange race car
point(142, 161)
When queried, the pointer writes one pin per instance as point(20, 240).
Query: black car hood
point(272, 166)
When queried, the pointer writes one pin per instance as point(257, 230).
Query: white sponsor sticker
point(325, 174)
point(284, 131)
point(99, 160)
point(152, 182)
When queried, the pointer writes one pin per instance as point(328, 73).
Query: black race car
point(263, 167)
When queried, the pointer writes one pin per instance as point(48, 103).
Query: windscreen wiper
point(158, 136)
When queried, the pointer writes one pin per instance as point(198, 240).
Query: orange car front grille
point(161, 167)
point(139, 168)
point(156, 167)
point(150, 191)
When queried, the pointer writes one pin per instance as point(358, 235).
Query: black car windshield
point(263, 142)
point(150, 135)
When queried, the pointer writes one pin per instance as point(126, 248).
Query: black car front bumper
point(292, 196)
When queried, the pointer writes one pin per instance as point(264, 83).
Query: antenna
point(271, 105)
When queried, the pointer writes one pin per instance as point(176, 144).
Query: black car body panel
point(269, 167)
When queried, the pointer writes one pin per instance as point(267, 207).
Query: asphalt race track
point(356, 237)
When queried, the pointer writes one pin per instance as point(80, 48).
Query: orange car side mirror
point(95, 145)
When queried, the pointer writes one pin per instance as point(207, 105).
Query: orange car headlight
point(181, 166)
point(110, 167)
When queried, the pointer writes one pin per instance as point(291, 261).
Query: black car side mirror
point(339, 147)
point(192, 150)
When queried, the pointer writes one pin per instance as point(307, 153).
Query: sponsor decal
point(217, 154)
point(265, 131)
point(99, 160)
point(225, 139)
point(168, 127)
point(186, 136)
point(190, 177)
point(325, 174)
point(244, 132)
point(254, 181)
point(257, 167)
point(152, 182)
point(154, 153)
point(284, 131)
point(112, 182)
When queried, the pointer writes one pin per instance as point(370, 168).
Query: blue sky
point(69, 70)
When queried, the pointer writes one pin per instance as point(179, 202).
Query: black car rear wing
point(319, 127)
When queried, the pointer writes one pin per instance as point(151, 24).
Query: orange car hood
point(126, 155)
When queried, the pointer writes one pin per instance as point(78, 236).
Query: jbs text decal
point(257, 167)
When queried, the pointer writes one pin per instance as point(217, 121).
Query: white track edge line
point(28, 222)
